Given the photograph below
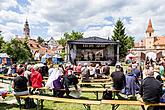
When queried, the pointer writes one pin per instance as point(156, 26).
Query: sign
point(91, 46)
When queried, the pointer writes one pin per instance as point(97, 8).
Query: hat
point(85, 64)
point(118, 64)
point(29, 67)
point(35, 67)
point(156, 69)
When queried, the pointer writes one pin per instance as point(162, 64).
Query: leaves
point(40, 40)
point(18, 50)
point(126, 42)
point(72, 36)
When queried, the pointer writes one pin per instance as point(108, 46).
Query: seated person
point(118, 78)
point(85, 72)
point(20, 88)
point(106, 69)
point(36, 78)
point(68, 80)
point(151, 88)
point(131, 87)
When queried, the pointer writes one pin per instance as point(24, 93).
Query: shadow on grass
point(4, 106)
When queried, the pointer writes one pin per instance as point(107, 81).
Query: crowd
point(147, 82)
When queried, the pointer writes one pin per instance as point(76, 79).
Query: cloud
point(93, 17)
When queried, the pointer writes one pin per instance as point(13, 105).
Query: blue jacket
point(131, 85)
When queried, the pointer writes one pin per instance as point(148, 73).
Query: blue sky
point(51, 18)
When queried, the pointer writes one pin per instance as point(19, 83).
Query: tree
point(126, 42)
point(17, 50)
point(1, 41)
point(40, 40)
point(72, 36)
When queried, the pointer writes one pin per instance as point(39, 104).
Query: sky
point(51, 18)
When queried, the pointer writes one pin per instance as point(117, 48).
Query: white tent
point(151, 55)
point(4, 55)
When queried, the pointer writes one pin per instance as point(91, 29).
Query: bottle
point(10, 90)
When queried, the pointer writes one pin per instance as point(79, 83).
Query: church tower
point(26, 30)
point(150, 36)
point(150, 30)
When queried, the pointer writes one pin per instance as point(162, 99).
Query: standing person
point(118, 78)
point(20, 88)
point(118, 64)
point(151, 89)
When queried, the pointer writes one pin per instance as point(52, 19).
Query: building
point(151, 46)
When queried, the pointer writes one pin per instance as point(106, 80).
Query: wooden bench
point(116, 103)
point(7, 78)
point(103, 84)
point(86, 103)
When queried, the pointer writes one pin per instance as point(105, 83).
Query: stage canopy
point(92, 49)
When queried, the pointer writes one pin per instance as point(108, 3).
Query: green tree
point(17, 50)
point(40, 39)
point(72, 36)
point(1, 41)
point(126, 42)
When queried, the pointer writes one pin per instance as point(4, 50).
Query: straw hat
point(156, 69)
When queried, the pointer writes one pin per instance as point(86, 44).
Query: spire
point(150, 28)
point(26, 29)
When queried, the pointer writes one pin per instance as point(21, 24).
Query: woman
point(54, 82)
point(20, 87)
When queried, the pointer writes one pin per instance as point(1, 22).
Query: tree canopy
point(18, 50)
point(126, 42)
point(72, 36)
point(40, 39)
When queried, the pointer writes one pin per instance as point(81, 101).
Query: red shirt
point(36, 79)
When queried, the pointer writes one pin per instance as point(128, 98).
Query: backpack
point(107, 95)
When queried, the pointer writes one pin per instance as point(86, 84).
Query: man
point(151, 88)
point(85, 72)
point(118, 78)
point(106, 69)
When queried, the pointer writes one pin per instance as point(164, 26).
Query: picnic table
point(103, 84)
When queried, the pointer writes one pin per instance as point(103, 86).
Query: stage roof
point(92, 40)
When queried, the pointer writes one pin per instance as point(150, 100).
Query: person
point(118, 64)
point(118, 78)
point(20, 88)
point(36, 78)
point(91, 69)
point(97, 71)
point(93, 56)
point(68, 80)
point(135, 70)
point(57, 82)
point(151, 88)
point(27, 74)
point(51, 70)
point(131, 87)
point(85, 72)
point(78, 69)
point(161, 70)
point(106, 69)
point(157, 74)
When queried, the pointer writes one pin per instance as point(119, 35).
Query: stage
point(92, 50)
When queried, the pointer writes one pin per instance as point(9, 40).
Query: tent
point(151, 55)
point(45, 57)
point(5, 59)
point(130, 56)
point(56, 59)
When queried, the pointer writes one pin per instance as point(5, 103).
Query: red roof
point(160, 40)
